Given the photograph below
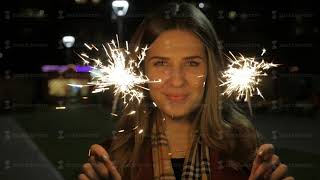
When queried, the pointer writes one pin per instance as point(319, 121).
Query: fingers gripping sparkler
point(243, 77)
point(120, 71)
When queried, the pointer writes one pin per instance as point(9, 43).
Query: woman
point(184, 130)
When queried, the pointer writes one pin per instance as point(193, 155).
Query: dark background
point(38, 141)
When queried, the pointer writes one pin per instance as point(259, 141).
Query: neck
point(170, 121)
point(178, 132)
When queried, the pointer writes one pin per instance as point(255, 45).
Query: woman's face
point(178, 58)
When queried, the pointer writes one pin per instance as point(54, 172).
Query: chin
point(176, 112)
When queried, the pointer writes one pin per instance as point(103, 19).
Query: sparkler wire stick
point(249, 104)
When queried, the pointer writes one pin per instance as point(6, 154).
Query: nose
point(177, 77)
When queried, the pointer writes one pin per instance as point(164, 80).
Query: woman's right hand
point(99, 166)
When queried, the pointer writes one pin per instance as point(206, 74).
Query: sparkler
point(243, 77)
point(120, 70)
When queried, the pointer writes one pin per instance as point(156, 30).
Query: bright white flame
point(120, 71)
point(243, 76)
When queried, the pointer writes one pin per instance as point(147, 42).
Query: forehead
point(175, 41)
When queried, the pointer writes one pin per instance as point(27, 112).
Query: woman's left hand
point(267, 165)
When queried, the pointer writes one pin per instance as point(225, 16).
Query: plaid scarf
point(196, 165)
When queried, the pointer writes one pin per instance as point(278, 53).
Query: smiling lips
point(176, 97)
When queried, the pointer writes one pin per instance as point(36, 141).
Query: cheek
point(198, 91)
point(196, 83)
point(156, 75)
point(155, 88)
point(196, 79)
point(155, 93)
point(197, 94)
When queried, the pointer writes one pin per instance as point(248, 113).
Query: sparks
point(120, 71)
point(131, 113)
point(113, 114)
point(60, 107)
point(263, 51)
point(243, 76)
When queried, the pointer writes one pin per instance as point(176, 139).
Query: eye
point(160, 63)
point(193, 63)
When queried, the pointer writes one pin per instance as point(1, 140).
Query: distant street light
point(201, 5)
point(68, 41)
point(120, 7)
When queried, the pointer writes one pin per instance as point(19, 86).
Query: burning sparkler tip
point(243, 75)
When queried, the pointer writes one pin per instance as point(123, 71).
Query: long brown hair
point(221, 125)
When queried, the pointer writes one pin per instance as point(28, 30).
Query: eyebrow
point(194, 57)
point(158, 57)
point(167, 58)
